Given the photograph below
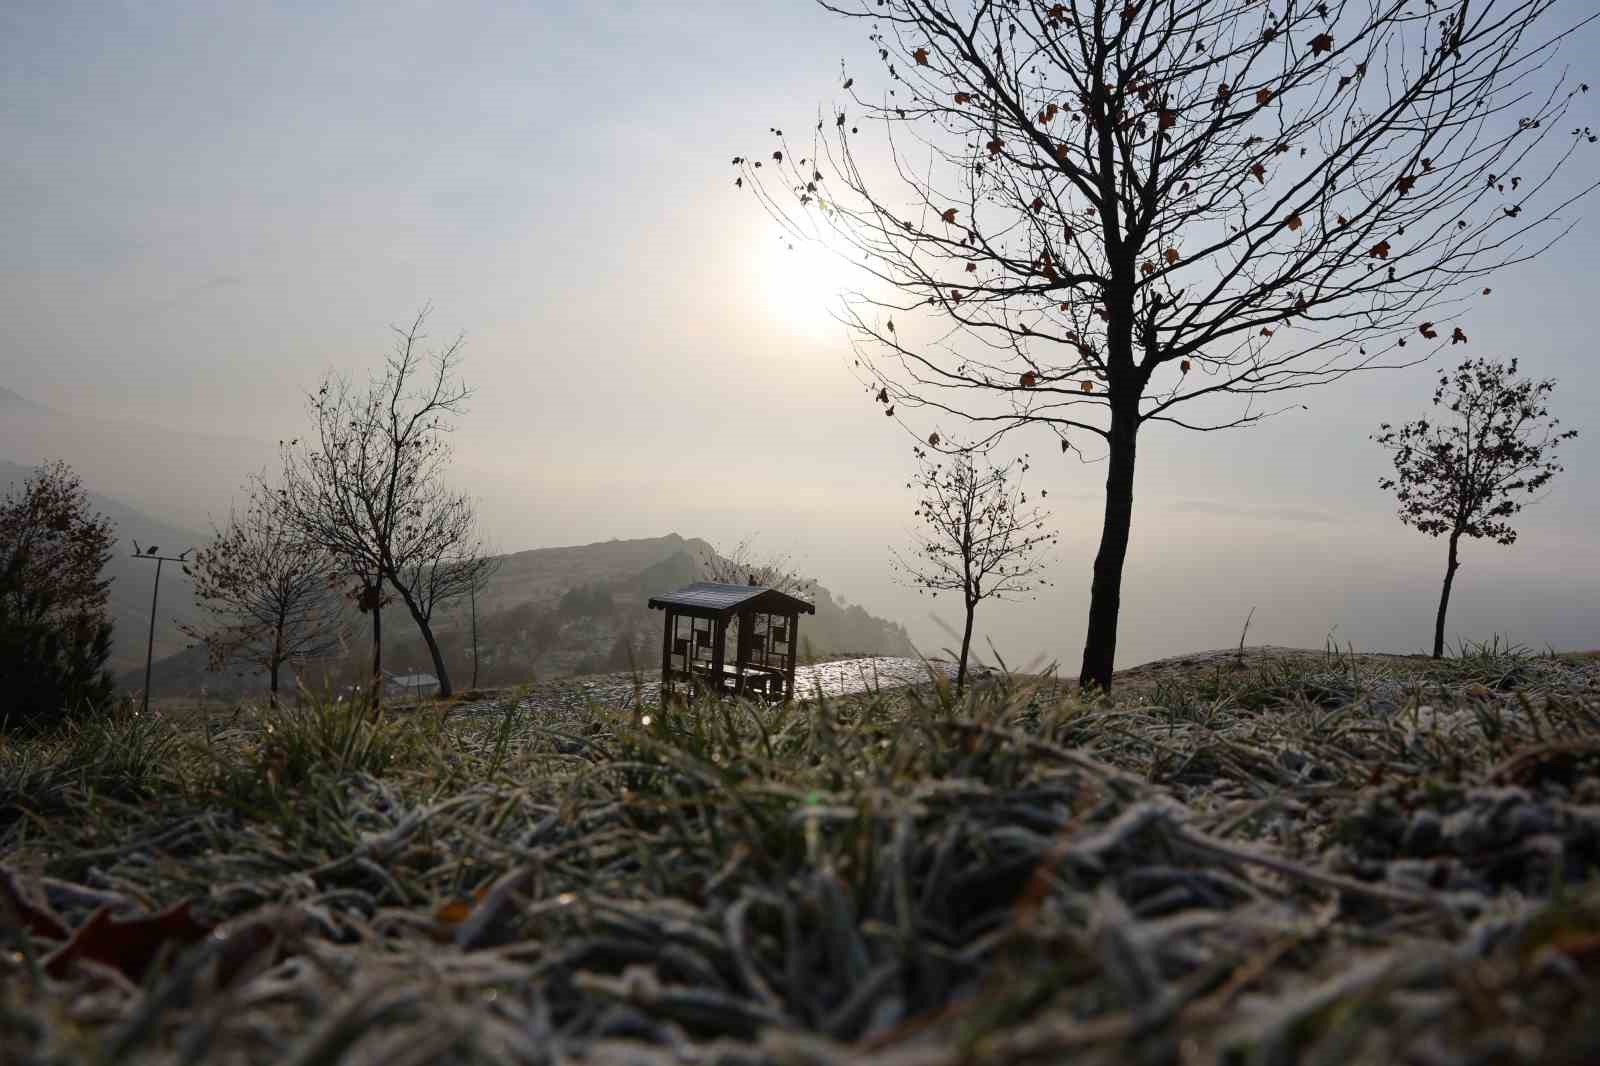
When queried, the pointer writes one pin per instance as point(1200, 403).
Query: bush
point(55, 626)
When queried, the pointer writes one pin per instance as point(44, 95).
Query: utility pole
point(150, 644)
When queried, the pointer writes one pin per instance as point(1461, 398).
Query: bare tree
point(744, 565)
point(978, 537)
point(1095, 217)
point(480, 570)
point(453, 567)
point(369, 487)
point(1467, 475)
point(270, 598)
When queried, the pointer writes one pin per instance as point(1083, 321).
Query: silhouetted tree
point(744, 565)
point(978, 537)
point(1093, 216)
point(270, 598)
point(369, 486)
point(1467, 471)
point(55, 624)
point(478, 572)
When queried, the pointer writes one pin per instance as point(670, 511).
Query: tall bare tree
point(1094, 217)
point(270, 599)
point(1488, 450)
point(979, 537)
point(369, 485)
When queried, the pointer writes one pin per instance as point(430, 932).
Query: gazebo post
point(667, 634)
point(742, 649)
point(793, 620)
point(719, 650)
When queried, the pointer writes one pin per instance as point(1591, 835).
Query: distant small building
point(416, 686)
point(694, 640)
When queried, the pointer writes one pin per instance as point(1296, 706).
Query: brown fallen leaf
point(129, 944)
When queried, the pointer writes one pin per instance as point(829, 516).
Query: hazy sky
point(205, 207)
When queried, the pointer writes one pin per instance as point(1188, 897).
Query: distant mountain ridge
point(12, 402)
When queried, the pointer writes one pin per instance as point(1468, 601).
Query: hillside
point(548, 613)
point(130, 584)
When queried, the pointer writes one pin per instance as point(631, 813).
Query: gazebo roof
point(712, 599)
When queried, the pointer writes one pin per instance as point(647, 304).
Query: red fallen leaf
point(962, 99)
point(1427, 330)
point(933, 440)
point(949, 215)
point(1029, 379)
point(128, 944)
point(1380, 250)
point(36, 920)
point(1458, 336)
point(1322, 42)
point(1263, 96)
point(1293, 222)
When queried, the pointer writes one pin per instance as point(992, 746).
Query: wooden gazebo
point(694, 641)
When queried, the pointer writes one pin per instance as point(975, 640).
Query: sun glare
point(804, 283)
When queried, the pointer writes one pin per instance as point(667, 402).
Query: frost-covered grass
point(1275, 857)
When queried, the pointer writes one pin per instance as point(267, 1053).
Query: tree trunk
point(1450, 569)
point(426, 630)
point(966, 643)
point(277, 661)
point(438, 658)
point(1105, 596)
point(473, 592)
point(377, 658)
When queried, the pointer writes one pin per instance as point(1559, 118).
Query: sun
point(805, 282)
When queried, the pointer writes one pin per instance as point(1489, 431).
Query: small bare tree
point(1467, 474)
point(744, 565)
point(1094, 218)
point(369, 487)
point(480, 569)
point(270, 598)
point(979, 537)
